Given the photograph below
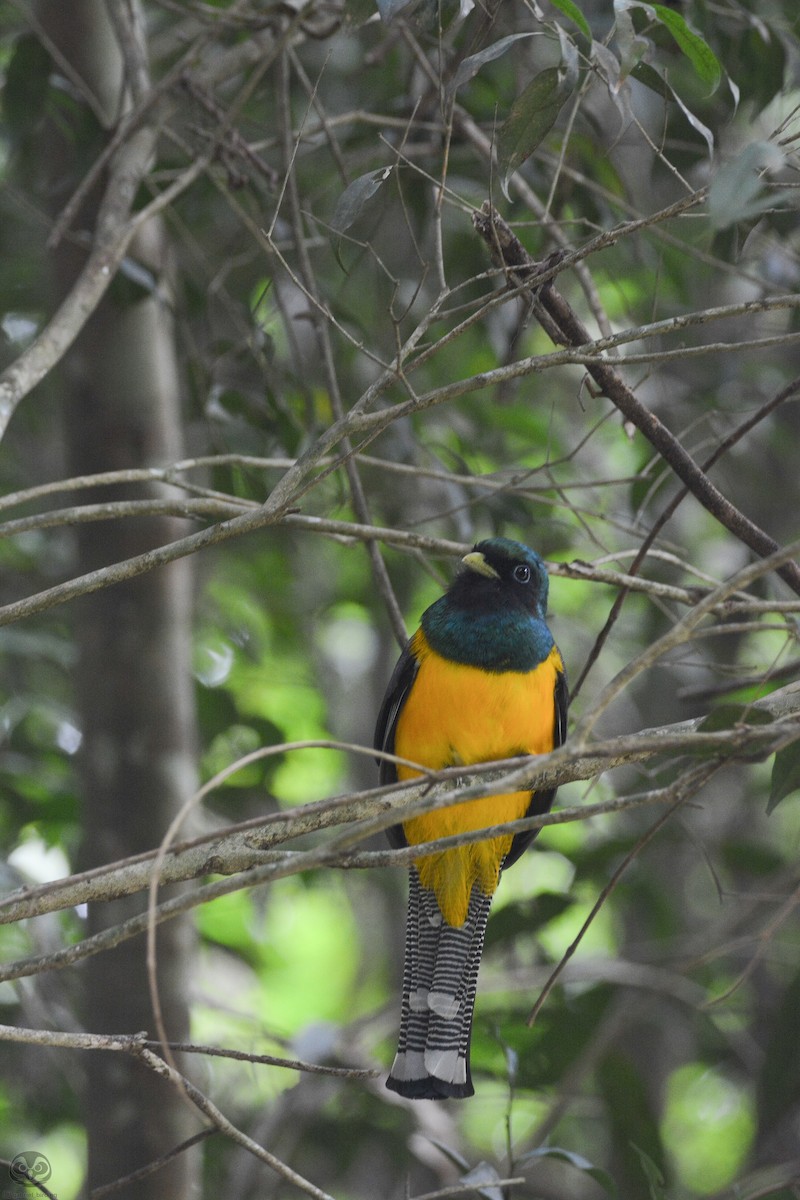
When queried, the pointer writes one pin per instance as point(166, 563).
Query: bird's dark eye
point(522, 574)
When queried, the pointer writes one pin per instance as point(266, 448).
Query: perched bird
point(481, 679)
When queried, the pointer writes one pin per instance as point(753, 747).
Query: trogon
point(481, 679)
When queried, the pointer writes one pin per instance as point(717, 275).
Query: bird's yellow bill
point(476, 562)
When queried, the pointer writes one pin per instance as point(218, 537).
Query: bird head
point(493, 614)
point(501, 571)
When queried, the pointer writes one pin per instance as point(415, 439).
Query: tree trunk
point(133, 685)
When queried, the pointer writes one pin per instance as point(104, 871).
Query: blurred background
point(251, 217)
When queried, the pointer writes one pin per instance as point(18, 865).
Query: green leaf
point(579, 1162)
point(574, 14)
point(696, 49)
point(728, 716)
point(352, 201)
point(785, 775)
point(26, 85)
point(651, 79)
point(654, 80)
point(779, 1072)
point(655, 1180)
point(389, 9)
point(761, 66)
point(692, 45)
point(532, 116)
point(350, 204)
point(696, 124)
point(632, 1113)
point(470, 66)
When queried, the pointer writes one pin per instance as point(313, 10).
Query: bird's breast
point(457, 715)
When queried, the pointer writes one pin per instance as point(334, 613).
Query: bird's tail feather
point(439, 981)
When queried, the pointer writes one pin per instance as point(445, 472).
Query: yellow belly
point(457, 715)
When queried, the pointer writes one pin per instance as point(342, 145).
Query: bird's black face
point(493, 614)
point(499, 571)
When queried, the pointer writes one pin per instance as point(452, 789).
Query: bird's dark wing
point(397, 690)
point(541, 802)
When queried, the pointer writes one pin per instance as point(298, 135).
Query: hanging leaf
point(352, 200)
point(656, 82)
point(696, 124)
point(785, 775)
point(651, 79)
point(532, 116)
point(778, 1074)
point(610, 68)
point(351, 203)
point(534, 113)
point(390, 8)
point(469, 67)
point(26, 84)
point(762, 59)
point(575, 1160)
point(484, 1179)
point(632, 46)
point(736, 93)
point(655, 1180)
point(737, 191)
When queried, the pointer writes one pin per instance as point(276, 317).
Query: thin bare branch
point(787, 393)
point(682, 790)
point(135, 1044)
point(223, 1124)
point(271, 1060)
point(511, 253)
point(117, 1185)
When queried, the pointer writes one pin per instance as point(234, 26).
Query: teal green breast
point(503, 639)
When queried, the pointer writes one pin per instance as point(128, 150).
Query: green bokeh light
point(708, 1127)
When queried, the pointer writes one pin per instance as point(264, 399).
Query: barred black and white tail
point(439, 981)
